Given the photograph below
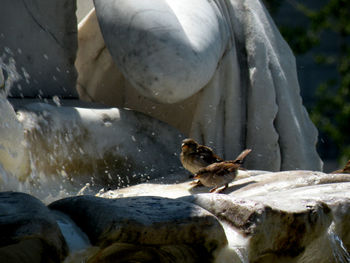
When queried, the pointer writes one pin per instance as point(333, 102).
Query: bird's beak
point(196, 176)
point(184, 146)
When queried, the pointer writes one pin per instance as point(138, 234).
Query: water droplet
point(26, 75)
point(56, 100)
point(8, 50)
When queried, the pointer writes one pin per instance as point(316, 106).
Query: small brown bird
point(345, 170)
point(195, 156)
point(222, 173)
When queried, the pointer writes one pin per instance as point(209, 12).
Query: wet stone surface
point(29, 232)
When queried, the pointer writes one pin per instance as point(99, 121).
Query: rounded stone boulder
point(153, 224)
point(276, 233)
point(29, 232)
point(290, 216)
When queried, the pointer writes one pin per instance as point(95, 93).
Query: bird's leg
point(213, 189)
point(196, 183)
point(220, 190)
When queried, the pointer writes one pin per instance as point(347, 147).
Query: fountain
point(100, 180)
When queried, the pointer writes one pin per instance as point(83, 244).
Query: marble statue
point(219, 71)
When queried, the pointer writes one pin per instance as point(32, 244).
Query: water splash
point(340, 253)
point(236, 250)
point(56, 100)
point(75, 238)
point(8, 72)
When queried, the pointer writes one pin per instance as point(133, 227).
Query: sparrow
point(195, 156)
point(221, 173)
point(345, 170)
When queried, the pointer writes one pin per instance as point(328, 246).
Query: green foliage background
point(331, 109)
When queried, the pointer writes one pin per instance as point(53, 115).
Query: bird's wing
point(221, 168)
point(208, 155)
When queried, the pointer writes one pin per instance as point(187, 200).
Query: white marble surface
point(168, 50)
point(234, 79)
point(83, 8)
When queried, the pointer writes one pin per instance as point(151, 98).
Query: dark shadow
point(236, 187)
point(199, 189)
point(128, 226)
point(203, 189)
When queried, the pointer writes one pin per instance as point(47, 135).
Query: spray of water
point(45, 187)
point(236, 250)
point(8, 72)
point(340, 253)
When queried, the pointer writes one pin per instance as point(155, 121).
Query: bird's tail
point(241, 156)
point(347, 167)
point(345, 170)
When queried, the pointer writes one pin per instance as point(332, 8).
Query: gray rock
point(261, 185)
point(292, 216)
point(29, 233)
point(125, 253)
point(41, 36)
point(148, 222)
point(275, 232)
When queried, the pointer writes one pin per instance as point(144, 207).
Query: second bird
point(222, 173)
